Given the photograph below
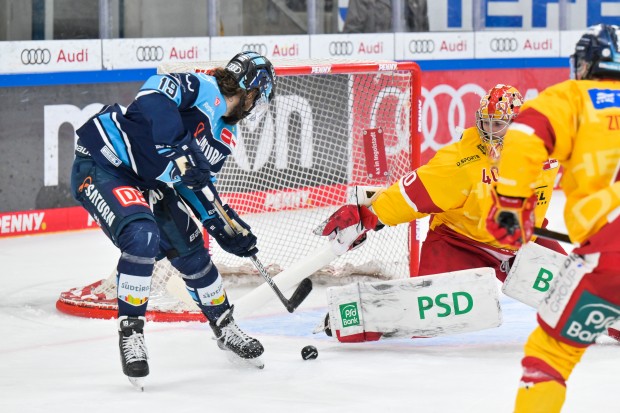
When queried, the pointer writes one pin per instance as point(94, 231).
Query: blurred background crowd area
point(94, 19)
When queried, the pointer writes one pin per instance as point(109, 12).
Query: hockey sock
point(546, 366)
point(139, 243)
point(204, 283)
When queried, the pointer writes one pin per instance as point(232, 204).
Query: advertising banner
point(517, 44)
point(45, 221)
point(50, 56)
point(143, 53)
point(272, 47)
point(37, 139)
point(427, 46)
point(450, 98)
point(373, 46)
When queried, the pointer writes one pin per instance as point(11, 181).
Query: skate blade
point(257, 362)
point(319, 328)
point(137, 382)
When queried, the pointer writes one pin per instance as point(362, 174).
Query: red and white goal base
point(333, 125)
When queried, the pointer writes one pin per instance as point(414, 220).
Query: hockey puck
point(309, 353)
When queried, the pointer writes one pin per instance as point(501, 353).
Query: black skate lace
point(134, 348)
point(232, 334)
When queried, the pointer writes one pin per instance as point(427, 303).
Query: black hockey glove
point(195, 173)
point(241, 243)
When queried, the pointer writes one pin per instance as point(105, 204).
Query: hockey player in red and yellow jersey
point(577, 122)
point(454, 187)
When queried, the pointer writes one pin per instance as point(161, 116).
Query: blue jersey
point(168, 109)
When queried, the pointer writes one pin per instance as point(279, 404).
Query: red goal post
point(332, 126)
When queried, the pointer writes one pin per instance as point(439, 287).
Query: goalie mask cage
point(332, 126)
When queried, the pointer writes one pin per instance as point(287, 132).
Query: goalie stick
point(303, 289)
point(553, 235)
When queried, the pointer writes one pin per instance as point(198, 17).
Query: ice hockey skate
point(240, 348)
point(323, 327)
point(133, 349)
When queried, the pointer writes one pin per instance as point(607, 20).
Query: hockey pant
point(445, 250)
point(145, 231)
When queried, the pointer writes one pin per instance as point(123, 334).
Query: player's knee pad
point(140, 238)
point(196, 268)
point(139, 245)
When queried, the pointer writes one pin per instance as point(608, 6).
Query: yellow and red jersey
point(577, 122)
point(454, 186)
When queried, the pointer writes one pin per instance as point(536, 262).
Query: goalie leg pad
point(531, 273)
point(440, 304)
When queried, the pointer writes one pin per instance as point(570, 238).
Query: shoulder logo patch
point(228, 138)
point(550, 164)
point(604, 98)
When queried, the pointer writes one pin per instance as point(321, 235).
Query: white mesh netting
point(296, 166)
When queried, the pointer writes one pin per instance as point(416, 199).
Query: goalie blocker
point(440, 304)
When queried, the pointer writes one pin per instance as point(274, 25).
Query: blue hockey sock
point(204, 283)
point(139, 244)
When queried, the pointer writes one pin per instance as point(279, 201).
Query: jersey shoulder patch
point(604, 98)
point(226, 134)
point(550, 164)
point(210, 100)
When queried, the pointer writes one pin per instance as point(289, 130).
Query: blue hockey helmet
point(253, 71)
point(597, 53)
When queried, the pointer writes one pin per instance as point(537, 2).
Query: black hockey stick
point(553, 235)
point(303, 289)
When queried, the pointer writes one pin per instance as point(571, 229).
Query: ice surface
point(51, 362)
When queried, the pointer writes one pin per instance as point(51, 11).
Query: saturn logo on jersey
point(228, 138)
point(87, 181)
point(199, 129)
point(97, 201)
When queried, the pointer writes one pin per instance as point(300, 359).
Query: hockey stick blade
point(287, 279)
point(301, 293)
point(552, 235)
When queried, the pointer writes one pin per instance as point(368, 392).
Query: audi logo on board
point(150, 53)
point(422, 46)
point(341, 48)
point(36, 56)
point(504, 44)
point(260, 48)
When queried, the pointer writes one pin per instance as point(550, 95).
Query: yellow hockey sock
point(543, 397)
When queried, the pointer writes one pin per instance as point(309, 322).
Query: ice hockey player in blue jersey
point(126, 174)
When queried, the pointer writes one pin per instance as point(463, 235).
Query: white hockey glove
point(347, 227)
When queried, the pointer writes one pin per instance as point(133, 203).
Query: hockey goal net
point(333, 125)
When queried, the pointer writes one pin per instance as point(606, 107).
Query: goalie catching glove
point(191, 161)
point(511, 220)
point(347, 227)
point(240, 241)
